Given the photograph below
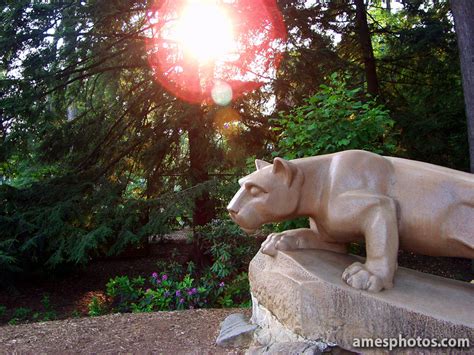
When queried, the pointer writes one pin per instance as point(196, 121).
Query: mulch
point(178, 332)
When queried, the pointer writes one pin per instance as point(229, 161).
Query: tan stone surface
point(357, 195)
point(304, 291)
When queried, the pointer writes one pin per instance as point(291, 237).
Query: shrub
point(124, 292)
point(96, 306)
point(20, 314)
point(230, 249)
point(334, 119)
point(223, 283)
point(48, 312)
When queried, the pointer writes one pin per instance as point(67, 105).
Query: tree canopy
point(96, 154)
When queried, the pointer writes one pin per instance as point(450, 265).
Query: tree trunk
point(463, 12)
point(199, 158)
point(199, 163)
point(366, 48)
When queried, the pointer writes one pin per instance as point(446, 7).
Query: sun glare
point(204, 31)
point(213, 51)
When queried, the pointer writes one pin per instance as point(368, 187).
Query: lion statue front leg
point(376, 217)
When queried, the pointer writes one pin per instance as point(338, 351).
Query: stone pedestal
point(300, 296)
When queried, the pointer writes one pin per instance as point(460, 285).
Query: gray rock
point(236, 331)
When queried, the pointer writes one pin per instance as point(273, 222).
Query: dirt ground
point(179, 332)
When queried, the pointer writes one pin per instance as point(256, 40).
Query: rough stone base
point(300, 296)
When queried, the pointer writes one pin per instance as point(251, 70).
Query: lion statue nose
point(232, 210)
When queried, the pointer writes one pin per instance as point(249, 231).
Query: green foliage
point(76, 314)
point(124, 292)
point(223, 283)
point(357, 248)
point(95, 156)
point(228, 246)
point(7, 259)
point(23, 314)
point(68, 222)
point(236, 294)
point(20, 314)
point(302, 222)
point(96, 307)
point(164, 293)
point(421, 80)
point(3, 309)
point(335, 118)
point(48, 312)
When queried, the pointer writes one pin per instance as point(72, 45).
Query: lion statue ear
point(261, 164)
point(285, 168)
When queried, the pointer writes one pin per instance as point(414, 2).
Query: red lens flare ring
point(205, 51)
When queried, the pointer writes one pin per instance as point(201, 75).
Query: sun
point(213, 51)
point(203, 30)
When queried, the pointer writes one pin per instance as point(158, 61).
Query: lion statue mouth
point(233, 216)
point(249, 231)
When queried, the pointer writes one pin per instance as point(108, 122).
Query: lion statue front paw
point(279, 241)
point(361, 277)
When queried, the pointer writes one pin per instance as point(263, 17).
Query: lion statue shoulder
point(355, 195)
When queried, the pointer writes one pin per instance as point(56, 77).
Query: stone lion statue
point(355, 195)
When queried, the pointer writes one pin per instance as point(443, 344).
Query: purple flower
point(191, 307)
point(222, 284)
point(178, 293)
point(194, 290)
point(226, 125)
point(181, 300)
point(154, 275)
point(164, 277)
point(190, 293)
point(166, 294)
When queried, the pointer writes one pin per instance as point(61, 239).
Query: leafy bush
point(48, 312)
point(23, 314)
point(97, 307)
point(162, 293)
point(334, 119)
point(223, 283)
point(124, 292)
point(20, 314)
point(229, 248)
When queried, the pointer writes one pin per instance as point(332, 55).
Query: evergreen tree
point(96, 155)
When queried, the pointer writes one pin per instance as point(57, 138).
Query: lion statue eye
point(255, 190)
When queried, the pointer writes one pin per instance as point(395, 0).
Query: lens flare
point(221, 93)
point(205, 51)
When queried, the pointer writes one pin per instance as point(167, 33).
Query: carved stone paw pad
point(358, 276)
point(278, 241)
